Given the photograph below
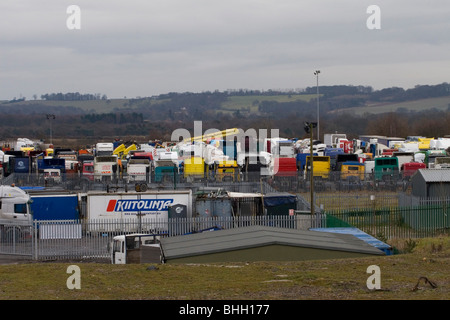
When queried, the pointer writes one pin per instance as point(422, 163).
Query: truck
point(227, 171)
point(194, 169)
point(254, 164)
point(409, 168)
point(142, 212)
point(386, 168)
point(15, 213)
point(331, 139)
point(352, 170)
point(138, 169)
point(106, 168)
point(135, 248)
point(321, 167)
point(53, 170)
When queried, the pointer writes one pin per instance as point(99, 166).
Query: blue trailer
point(54, 206)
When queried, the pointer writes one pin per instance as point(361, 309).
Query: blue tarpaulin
point(387, 249)
point(276, 199)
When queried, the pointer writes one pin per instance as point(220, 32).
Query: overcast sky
point(144, 48)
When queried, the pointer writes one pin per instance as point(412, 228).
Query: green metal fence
point(394, 222)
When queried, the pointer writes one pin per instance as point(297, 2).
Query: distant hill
point(342, 109)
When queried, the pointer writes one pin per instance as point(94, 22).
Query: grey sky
point(143, 48)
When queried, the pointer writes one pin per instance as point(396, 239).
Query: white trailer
point(133, 211)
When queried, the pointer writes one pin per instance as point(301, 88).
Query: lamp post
point(308, 126)
point(51, 117)
point(316, 73)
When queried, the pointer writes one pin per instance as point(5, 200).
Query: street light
point(51, 117)
point(316, 73)
point(308, 126)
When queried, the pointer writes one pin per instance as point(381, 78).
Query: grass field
point(441, 103)
point(342, 279)
point(251, 102)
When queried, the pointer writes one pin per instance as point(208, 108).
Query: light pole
point(316, 73)
point(51, 117)
point(308, 126)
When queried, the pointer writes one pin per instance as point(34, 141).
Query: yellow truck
point(352, 170)
point(194, 169)
point(321, 166)
point(227, 170)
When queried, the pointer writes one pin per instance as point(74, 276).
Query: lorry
point(53, 170)
point(135, 248)
point(321, 167)
point(386, 168)
point(352, 170)
point(194, 169)
point(138, 169)
point(104, 149)
point(227, 171)
point(142, 212)
point(106, 168)
point(15, 213)
point(254, 164)
point(409, 168)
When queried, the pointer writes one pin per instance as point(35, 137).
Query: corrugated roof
point(435, 175)
point(257, 236)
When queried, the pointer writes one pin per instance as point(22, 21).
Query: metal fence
point(288, 182)
point(90, 240)
point(16, 238)
point(394, 222)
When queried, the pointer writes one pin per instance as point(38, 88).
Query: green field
point(441, 103)
point(251, 102)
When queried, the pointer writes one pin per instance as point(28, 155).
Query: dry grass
point(343, 279)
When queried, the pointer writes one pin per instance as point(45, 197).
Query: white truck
point(105, 167)
point(15, 213)
point(135, 248)
point(132, 211)
point(138, 170)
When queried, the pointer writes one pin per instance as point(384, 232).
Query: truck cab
point(14, 204)
point(135, 248)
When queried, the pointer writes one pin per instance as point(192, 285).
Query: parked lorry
point(194, 169)
point(106, 168)
point(409, 168)
point(352, 170)
point(227, 171)
point(138, 169)
point(442, 162)
point(104, 149)
point(142, 212)
point(386, 168)
point(53, 170)
point(135, 248)
point(321, 167)
point(254, 164)
point(15, 213)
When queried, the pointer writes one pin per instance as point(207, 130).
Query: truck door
point(119, 254)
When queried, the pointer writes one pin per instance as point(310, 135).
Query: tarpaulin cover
point(276, 199)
